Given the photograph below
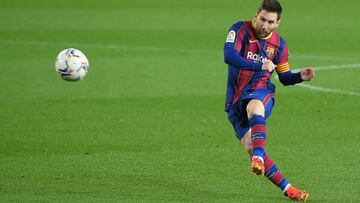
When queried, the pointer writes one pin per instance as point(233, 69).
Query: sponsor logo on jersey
point(231, 36)
point(256, 57)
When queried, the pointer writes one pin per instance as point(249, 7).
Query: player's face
point(265, 22)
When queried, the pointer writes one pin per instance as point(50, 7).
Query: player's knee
point(255, 107)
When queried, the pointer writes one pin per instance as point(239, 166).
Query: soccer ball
point(71, 64)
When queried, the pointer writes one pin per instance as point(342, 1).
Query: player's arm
point(233, 45)
point(286, 76)
point(290, 78)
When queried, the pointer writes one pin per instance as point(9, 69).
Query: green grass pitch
point(147, 122)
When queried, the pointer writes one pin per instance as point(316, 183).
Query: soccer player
point(253, 50)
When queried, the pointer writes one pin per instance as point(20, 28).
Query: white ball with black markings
point(71, 64)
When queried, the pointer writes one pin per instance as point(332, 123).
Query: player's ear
point(257, 13)
point(278, 23)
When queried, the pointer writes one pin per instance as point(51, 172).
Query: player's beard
point(263, 33)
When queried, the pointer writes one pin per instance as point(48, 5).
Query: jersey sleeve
point(286, 77)
point(232, 48)
point(283, 64)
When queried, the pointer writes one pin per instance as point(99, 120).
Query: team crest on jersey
point(270, 52)
point(231, 36)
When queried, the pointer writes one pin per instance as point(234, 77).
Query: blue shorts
point(237, 114)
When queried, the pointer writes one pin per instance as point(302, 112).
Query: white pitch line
point(199, 51)
point(113, 46)
point(324, 89)
point(154, 49)
point(317, 57)
point(333, 67)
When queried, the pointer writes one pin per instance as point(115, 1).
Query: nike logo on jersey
point(252, 41)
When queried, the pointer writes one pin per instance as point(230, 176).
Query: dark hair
point(271, 6)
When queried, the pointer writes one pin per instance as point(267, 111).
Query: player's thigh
point(238, 118)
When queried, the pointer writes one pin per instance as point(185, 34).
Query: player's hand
point(268, 66)
point(307, 73)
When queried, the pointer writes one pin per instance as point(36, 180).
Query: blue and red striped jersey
point(245, 53)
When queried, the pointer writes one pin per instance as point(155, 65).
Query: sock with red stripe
point(258, 135)
point(274, 174)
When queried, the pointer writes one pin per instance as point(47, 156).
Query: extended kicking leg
point(272, 172)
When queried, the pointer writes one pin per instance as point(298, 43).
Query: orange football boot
point(296, 194)
point(257, 166)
